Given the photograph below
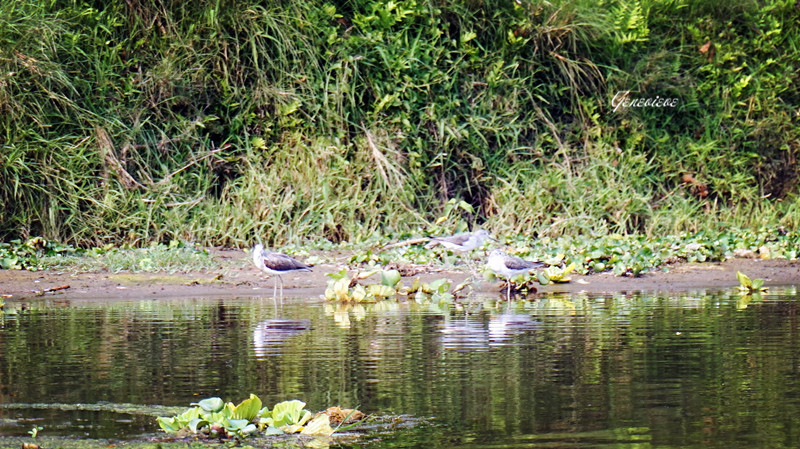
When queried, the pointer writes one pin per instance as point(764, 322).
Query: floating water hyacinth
point(212, 417)
point(748, 286)
point(344, 288)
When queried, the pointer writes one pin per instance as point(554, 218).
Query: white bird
point(466, 241)
point(276, 263)
point(509, 266)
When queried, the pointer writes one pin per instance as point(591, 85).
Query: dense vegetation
point(153, 120)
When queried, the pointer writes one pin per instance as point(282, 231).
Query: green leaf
point(744, 280)
point(272, 430)
point(286, 413)
point(390, 278)
point(555, 274)
point(598, 266)
point(169, 425)
point(415, 286)
point(188, 415)
point(465, 206)
point(339, 290)
point(439, 285)
point(320, 425)
point(198, 423)
point(358, 293)
point(757, 283)
point(211, 404)
point(9, 263)
point(543, 278)
point(380, 291)
point(367, 274)
point(596, 254)
point(305, 415)
point(235, 425)
point(338, 275)
point(248, 409)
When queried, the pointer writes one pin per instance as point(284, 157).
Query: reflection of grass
point(133, 409)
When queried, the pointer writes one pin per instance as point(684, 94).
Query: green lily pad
point(390, 278)
point(211, 404)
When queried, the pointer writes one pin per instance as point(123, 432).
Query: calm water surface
point(699, 369)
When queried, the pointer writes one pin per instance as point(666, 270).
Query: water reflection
point(503, 327)
point(270, 335)
point(464, 334)
point(472, 333)
point(703, 368)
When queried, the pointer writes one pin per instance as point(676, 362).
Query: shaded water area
point(627, 370)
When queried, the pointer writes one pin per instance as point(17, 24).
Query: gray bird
point(509, 266)
point(274, 263)
point(466, 241)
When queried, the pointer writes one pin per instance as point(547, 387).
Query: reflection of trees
point(685, 367)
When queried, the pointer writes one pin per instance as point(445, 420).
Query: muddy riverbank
point(235, 276)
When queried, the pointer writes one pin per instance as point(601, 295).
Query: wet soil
point(236, 277)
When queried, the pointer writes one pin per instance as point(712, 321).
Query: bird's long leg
point(468, 260)
point(275, 287)
point(508, 292)
point(279, 277)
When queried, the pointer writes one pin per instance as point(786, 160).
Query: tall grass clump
point(220, 122)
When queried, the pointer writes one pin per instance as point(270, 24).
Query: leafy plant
point(393, 115)
point(29, 254)
point(344, 288)
point(213, 417)
point(748, 286)
point(34, 432)
point(555, 274)
point(437, 290)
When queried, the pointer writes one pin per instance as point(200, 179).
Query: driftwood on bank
point(413, 241)
point(51, 289)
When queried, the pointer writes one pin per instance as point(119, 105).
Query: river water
point(697, 369)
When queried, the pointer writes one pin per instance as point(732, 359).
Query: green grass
point(223, 123)
point(155, 258)
point(628, 255)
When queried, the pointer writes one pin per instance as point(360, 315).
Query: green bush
point(149, 121)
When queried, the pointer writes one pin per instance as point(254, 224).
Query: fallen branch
point(406, 243)
point(52, 289)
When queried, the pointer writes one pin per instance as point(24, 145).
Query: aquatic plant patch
point(213, 418)
point(623, 255)
point(28, 254)
point(343, 287)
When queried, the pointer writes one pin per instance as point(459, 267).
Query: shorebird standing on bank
point(509, 266)
point(466, 241)
point(274, 263)
point(462, 243)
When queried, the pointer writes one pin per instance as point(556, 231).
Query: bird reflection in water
point(472, 335)
point(269, 336)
